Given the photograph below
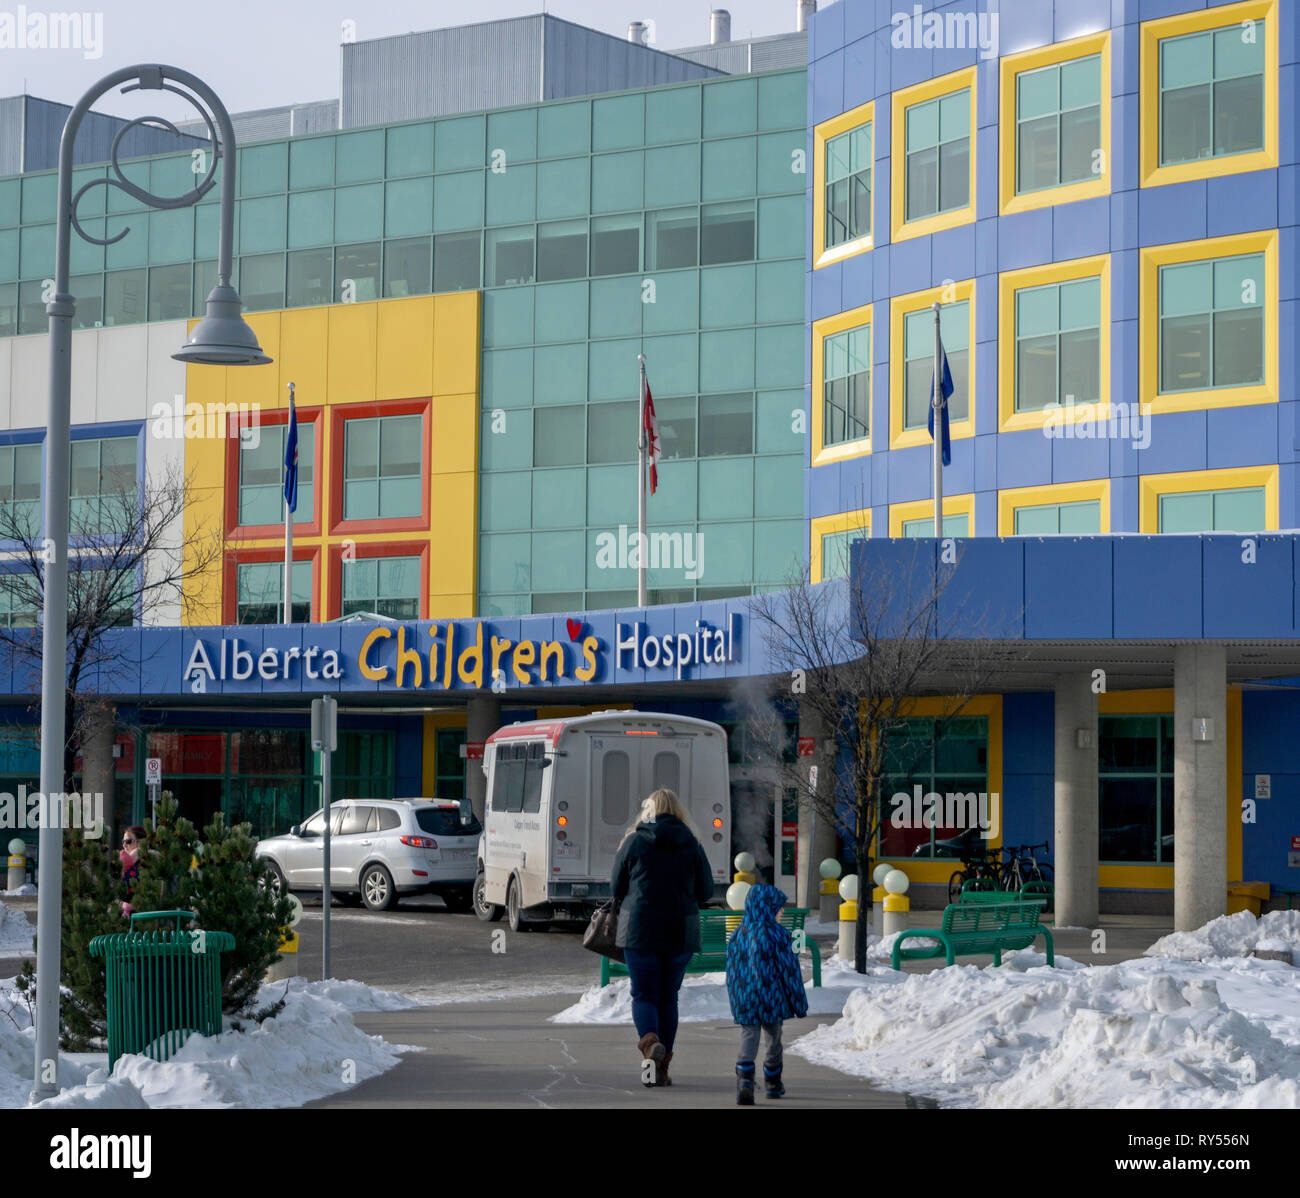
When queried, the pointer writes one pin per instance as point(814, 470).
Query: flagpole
point(288, 544)
point(641, 596)
point(937, 401)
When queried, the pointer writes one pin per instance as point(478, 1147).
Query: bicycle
point(975, 868)
point(1022, 868)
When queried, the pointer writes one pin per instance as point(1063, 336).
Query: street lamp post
point(220, 338)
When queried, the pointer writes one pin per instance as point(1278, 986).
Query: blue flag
point(291, 460)
point(947, 395)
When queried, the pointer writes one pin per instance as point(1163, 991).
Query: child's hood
point(764, 901)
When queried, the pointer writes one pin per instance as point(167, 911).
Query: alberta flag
point(291, 460)
point(947, 395)
point(651, 438)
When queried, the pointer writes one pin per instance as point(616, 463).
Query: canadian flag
point(651, 426)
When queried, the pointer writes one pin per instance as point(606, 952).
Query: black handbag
point(600, 933)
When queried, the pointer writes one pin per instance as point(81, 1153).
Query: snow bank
point(311, 1049)
point(1230, 936)
point(26, 890)
point(16, 931)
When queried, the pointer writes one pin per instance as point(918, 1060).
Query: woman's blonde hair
point(662, 802)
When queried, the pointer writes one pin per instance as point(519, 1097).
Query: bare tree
point(853, 658)
point(128, 559)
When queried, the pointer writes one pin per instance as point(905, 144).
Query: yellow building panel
point(451, 607)
point(405, 339)
point(258, 385)
point(455, 434)
point(452, 499)
point(304, 342)
point(352, 353)
point(456, 339)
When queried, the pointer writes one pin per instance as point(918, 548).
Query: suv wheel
point(275, 877)
point(377, 890)
point(487, 912)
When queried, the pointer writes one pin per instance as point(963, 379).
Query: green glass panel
point(311, 219)
point(262, 225)
point(507, 378)
point(616, 307)
point(561, 311)
point(1186, 289)
point(408, 208)
point(672, 176)
point(36, 251)
point(1239, 50)
point(170, 176)
point(779, 360)
point(1036, 314)
point(781, 227)
point(953, 526)
point(727, 295)
point(918, 334)
point(1239, 510)
point(559, 500)
point(1037, 521)
point(311, 278)
point(207, 230)
point(124, 297)
point(557, 559)
point(1081, 519)
point(727, 487)
point(458, 143)
point(563, 188)
point(730, 107)
point(611, 500)
point(778, 153)
point(94, 202)
point(1081, 83)
point(508, 317)
point(505, 501)
point(954, 116)
point(261, 282)
point(40, 198)
point(311, 162)
point(84, 256)
point(672, 362)
point(559, 436)
point(1239, 282)
point(954, 326)
point(10, 198)
point(676, 306)
point(512, 136)
point(359, 213)
point(922, 125)
point(410, 150)
point(169, 292)
point(1081, 304)
point(205, 279)
point(512, 195)
point(617, 182)
point(614, 370)
point(558, 371)
point(356, 267)
point(674, 556)
point(675, 498)
point(9, 253)
point(506, 440)
point(728, 169)
point(672, 114)
point(1037, 93)
point(458, 201)
point(776, 422)
point(118, 200)
point(1185, 61)
point(171, 235)
point(563, 129)
point(504, 562)
point(1187, 513)
point(359, 156)
point(728, 554)
point(778, 550)
point(612, 431)
point(263, 168)
point(618, 122)
point(8, 309)
point(408, 267)
point(783, 101)
point(89, 290)
point(727, 360)
point(780, 292)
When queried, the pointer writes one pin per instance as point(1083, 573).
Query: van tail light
point(563, 821)
point(717, 823)
point(561, 836)
point(419, 842)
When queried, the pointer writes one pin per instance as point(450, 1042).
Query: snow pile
point(310, 1049)
point(26, 890)
point(1231, 936)
point(16, 931)
point(352, 996)
point(1144, 1033)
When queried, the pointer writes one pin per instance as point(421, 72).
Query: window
point(261, 282)
point(169, 292)
point(356, 272)
point(123, 298)
point(1058, 124)
point(260, 593)
point(1058, 344)
point(676, 417)
point(1237, 510)
point(389, 819)
point(407, 266)
point(616, 244)
point(666, 772)
point(726, 233)
point(9, 309)
point(835, 552)
point(1136, 788)
point(357, 820)
point(382, 460)
point(612, 431)
point(20, 599)
point(311, 278)
point(938, 156)
point(510, 256)
point(558, 435)
point(443, 821)
point(672, 239)
point(615, 788)
point(508, 782)
point(1212, 324)
point(534, 765)
point(386, 586)
point(1051, 519)
point(561, 250)
point(848, 186)
point(456, 261)
point(726, 424)
point(20, 488)
point(1212, 93)
point(261, 475)
point(918, 363)
point(89, 290)
point(104, 489)
point(846, 386)
point(955, 524)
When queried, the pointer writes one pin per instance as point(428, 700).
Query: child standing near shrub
point(765, 988)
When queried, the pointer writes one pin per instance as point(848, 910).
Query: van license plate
point(568, 849)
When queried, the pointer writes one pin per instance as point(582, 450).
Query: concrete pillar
point(483, 718)
point(1077, 830)
point(816, 832)
point(1200, 784)
point(97, 722)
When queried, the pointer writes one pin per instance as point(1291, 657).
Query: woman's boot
point(664, 1079)
point(745, 1084)
point(651, 1049)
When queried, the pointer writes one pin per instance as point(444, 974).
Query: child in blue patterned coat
point(765, 987)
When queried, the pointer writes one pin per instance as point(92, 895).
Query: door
point(353, 845)
point(305, 863)
point(612, 805)
point(508, 841)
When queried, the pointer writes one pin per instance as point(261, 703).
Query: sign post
point(324, 740)
point(153, 784)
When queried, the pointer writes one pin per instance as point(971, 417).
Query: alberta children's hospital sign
point(457, 655)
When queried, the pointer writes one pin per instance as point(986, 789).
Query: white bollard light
point(848, 915)
point(17, 863)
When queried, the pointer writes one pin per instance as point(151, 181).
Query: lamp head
point(222, 337)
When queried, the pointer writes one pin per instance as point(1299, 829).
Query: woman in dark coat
point(662, 876)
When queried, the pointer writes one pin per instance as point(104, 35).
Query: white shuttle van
point(561, 794)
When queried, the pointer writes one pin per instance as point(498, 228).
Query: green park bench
point(716, 926)
point(981, 926)
point(979, 890)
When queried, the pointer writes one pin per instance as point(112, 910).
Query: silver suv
point(380, 849)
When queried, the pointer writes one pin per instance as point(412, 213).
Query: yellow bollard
point(896, 908)
point(877, 909)
point(285, 964)
point(744, 875)
point(17, 863)
point(848, 929)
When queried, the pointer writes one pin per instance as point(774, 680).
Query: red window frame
point(247, 557)
point(380, 549)
point(308, 528)
point(339, 416)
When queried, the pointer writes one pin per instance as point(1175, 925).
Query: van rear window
point(446, 821)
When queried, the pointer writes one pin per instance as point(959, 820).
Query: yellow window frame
point(822, 526)
point(864, 114)
point(1012, 500)
point(1009, 420)
point(923, 509)
point(899, 307)
point(909, 97)
point(821, 329)
point(1033, 60)
point(1153, 486)
point(1153, 33)
point(1153, 259)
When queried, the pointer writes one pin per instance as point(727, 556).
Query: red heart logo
point(575, 629)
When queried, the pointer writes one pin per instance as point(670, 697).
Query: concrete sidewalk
point(506, 1054)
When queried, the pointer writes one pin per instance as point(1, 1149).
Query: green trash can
point(163, 985)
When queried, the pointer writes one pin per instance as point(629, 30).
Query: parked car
point(381, 849)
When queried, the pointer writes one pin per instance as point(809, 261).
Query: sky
point(265, 53)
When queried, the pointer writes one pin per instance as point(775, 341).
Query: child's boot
point(772, 1083)
point(745, 1084)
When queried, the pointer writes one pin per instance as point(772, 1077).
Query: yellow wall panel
point(405, 348)
point(352, 353)
point(451, 607)
point(451, 550)
point(455, 434)
point(456, 343)
point(304, 342)
point(258, 385)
